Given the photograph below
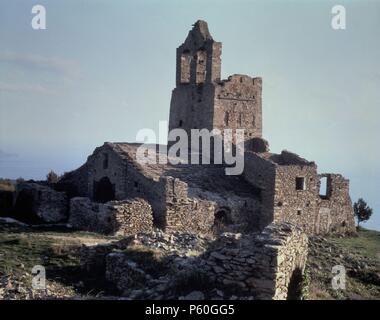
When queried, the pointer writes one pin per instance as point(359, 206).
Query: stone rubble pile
point(19, 288)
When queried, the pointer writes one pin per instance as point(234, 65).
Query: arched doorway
point(295, 285)
point(222, 219)
point(104, 190)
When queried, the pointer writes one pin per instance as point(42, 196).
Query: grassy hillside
point(359, 255)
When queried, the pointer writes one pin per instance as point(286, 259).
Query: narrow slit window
point(226, 119)
point(105, 161)
point(300, 183)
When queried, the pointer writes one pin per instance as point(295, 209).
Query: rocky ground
point(164, 263)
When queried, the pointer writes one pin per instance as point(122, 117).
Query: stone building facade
point(201, 198)
point(291, 191)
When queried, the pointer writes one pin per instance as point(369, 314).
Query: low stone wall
point(33, 199)
point(115, 217)
point(266, 265)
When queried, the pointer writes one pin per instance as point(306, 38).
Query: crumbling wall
point(261, 173)
point(306, 208)
point(74, 183)
point(237, 105)
point(290, 187)
point(264, 264)
point(201, 100)
point(141, 186)
point(198, 67)
point(268, 265)
point(334, 212)
point(125, 178)
point(33, 200)
point(184, 213)
point(296, 204)
point(124, 217)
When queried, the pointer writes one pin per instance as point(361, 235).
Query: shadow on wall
point(104, 190)
point(295, 285)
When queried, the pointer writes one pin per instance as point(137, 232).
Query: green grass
point(360, 255)
point(59, 252)
point(367, 243)
point(27, 250)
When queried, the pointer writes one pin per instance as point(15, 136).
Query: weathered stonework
point(290, 192)
point(263, 265)
point(41, 201)
point(267, 265)
point(115, 217)
point(201, 100)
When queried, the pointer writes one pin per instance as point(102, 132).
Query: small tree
point(362, 211)
point(20, 180)
point(52, 177)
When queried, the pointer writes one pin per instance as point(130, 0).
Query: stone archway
point(104, 190)
point(222, 219)
point(295, 285)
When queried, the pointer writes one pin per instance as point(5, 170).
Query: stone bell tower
point(201, 100)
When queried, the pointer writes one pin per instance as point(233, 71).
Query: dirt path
point(83, 240)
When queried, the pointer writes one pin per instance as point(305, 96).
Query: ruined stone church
point(113, 193)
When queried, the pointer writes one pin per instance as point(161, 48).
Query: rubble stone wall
point(237, 105)
point(47, 204)
point(292, 205)
point(263, 265)
point(104, 162)
point(267, 265)
point(261, 174)
point(115, 217)
point(314, 213)
point(184, 213)
point(334, 212)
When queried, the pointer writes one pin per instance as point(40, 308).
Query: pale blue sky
point(105, 69)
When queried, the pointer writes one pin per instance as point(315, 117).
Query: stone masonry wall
point(237, 105)
point(290, 188)
point(266, 265)
point(104, 162)
point(186, 214)
point(292, 205)
point(47, 204)
point(261, 173)
point(334, 212)
point(115, 217)
point(313, 213)
point(126, 178)
point(201, 100)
